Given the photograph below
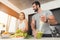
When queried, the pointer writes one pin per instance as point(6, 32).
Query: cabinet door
point(29, 23)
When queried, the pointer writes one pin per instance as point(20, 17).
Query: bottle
point(40, 26)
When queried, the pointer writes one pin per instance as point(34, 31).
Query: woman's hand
point(23, 30)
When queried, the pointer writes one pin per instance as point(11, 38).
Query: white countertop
point(46, 38)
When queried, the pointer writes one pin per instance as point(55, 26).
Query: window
point(7, 20)
point(3, 19)
point(12, 24)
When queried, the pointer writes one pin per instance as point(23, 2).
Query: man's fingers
point(43, 18)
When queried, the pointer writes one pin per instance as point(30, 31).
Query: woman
point(22, 22)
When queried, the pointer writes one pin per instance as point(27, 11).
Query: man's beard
point(36, 10)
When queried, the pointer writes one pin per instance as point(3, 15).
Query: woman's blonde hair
point(23, 14)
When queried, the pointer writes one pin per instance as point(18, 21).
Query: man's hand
point(43, 18)
point(35, 33)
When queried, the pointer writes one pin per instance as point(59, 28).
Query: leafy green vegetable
point(39, 35)
point(20, 33)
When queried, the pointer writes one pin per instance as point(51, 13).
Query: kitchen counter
point(44, 38)
point(31, 38)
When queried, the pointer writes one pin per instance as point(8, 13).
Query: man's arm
point(33, 25)
point(34, 31)
point(52, 20)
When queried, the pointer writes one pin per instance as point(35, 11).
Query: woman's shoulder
point(25, 20)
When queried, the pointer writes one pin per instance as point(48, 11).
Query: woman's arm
point(26, 25)
point(25, 29)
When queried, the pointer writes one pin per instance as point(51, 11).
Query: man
point(41, 16)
